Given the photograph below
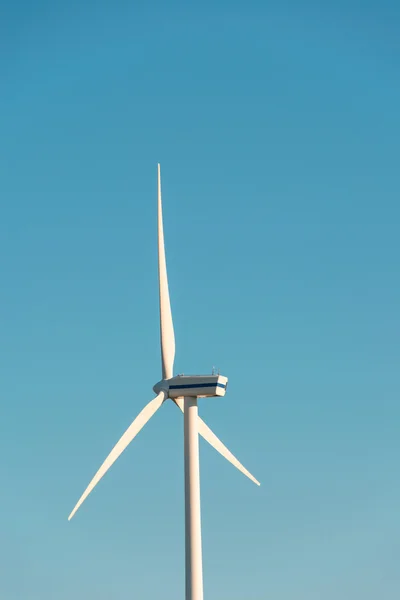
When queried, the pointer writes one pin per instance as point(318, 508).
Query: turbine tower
point(184, 391)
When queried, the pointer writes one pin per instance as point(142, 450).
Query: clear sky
point(277, 127)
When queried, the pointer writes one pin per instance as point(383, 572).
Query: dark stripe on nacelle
point(196, 385)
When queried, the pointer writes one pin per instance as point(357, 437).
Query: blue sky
point(277, 128)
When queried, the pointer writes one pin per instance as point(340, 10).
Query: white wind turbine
point(184, 391)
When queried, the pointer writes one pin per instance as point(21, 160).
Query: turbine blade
point(166, 324)
point(141, 420)
point(216, 443)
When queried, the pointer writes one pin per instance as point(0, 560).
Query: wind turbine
point(184, 391)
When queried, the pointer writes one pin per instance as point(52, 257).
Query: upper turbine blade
point(124, 441)
point(212, 439)
point(166, 324)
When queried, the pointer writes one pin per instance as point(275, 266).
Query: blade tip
point(73, 513)
point(254, 480)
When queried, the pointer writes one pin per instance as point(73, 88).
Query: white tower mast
point(193, 554)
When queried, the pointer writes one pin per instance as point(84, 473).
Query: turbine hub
point(161, 386)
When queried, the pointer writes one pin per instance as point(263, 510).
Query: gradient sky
point(277, 127)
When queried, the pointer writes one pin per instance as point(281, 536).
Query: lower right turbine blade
point(216, 443)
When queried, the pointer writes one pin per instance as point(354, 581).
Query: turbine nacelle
point(201, 386)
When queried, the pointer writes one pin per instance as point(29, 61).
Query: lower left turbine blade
point(120, 446)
